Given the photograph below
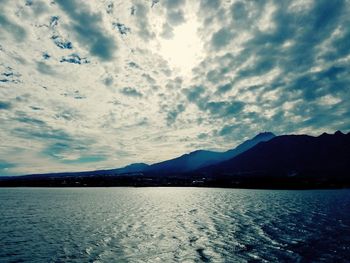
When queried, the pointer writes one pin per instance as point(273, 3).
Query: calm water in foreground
point(173, 225)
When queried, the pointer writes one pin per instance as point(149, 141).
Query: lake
point(173, 225)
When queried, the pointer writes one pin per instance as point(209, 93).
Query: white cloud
point(81, 88)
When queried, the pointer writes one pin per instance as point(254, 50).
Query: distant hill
point(327, 155)
point(265, 161)
point(202, 158)
point(131, 168)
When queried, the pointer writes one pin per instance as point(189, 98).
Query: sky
point(88, 85)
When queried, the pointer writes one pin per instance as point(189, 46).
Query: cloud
point(5, 167)
point(194, 94)
point(142, 21)
point(59, 42)
point(108, 81)
point(41, 133)
point(224, 88)
point(175, 18)
point(173, 4)
point(45, 68)
point(87, 159)
point(227, 130)
point(174, 113)
point(221, 38)
point(131, 92)
point(122, 29)
point(209, 4)
point(5, 105)
point(224, 108)
point(73, 152)
point(88, 29)
point(85, 85)
point(12, 28)
point(239, 12)
point(167, 31)
point(74, 59)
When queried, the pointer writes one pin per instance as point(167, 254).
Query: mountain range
point(201, 158)
point(289, 160)
point(265, 161)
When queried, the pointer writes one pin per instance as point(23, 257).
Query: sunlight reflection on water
point(173, 225)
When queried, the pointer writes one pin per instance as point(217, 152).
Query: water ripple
point(173, 225)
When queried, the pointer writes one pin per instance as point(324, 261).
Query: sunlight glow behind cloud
point(184, 49)
point(101, 84)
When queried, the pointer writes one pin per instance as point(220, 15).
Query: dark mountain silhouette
point(131, 168)
point(201, 158)
point(261, 137)
point(185, 163)
point(266, 161)
point(322, 158)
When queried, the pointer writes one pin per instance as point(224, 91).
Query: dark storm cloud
point(88, 29)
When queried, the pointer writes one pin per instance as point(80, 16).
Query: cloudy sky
point(100, 84)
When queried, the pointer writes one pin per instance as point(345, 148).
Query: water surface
point(173, 225)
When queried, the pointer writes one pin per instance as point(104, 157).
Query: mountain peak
point(265, 135)
point(338, 133)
